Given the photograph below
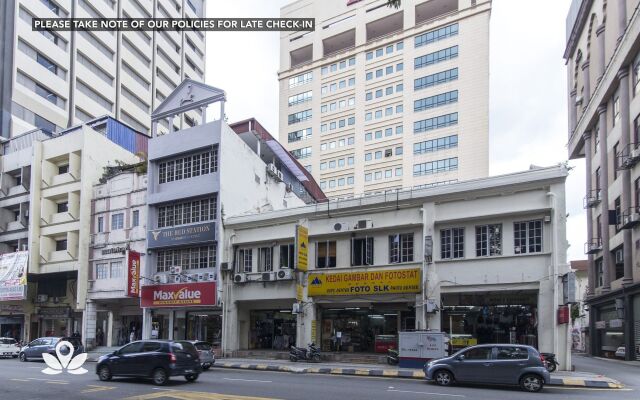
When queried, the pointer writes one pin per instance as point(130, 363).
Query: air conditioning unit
point(42, 298)
point(285, 274)
point(175, 270)
point(210, 276)
point(157, 279)
point(364, 224)
point(240, 278)
point(267, 276)
point(280, 176)
point(340, 227)
point(272, 170)
point(193, 278)
point(296, 309)
point(619, 256)
point(164, 278)
point(634, 153)
point(200, 276)
point(289, 187)
point(225, 266)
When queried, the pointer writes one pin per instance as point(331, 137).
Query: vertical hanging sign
point(302, 248)
point(133, 274)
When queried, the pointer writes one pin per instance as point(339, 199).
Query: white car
point(9, 347)
point(621, 352)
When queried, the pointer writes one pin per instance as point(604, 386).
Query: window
point(117, 221)
point(187, 258)
point(189, 166)
point(636, 191)
point(300, 79)
point(435, 101)
point(102, 271)
point(187, 212)
point(265, 259)
point(93, 95)
point(326, 254)
point(401, 248)
point(100, 224)
point(362, 251)
point(301, 153)
point(435, 35)
point(616, 109)
point(40, 90)
point(527, 237)
point(435, 123)
point(489, 240)
point(512, 353)
point(245, 260)
point(61, 245)
point(136, 218)
point(616, 160)
point(107, 51)
point(436, 57)
point(452, 243)
point(299, 116)
point(300, 98)
point(617, 205)
point(478, 353)
point(434, 167)
point(435, 144)
point(63, 207)
point(99, 72)
point(287, 256)
point(299, 135)
point(435, 79)
point(116, 269)
point(40, 59)
point(599, 273)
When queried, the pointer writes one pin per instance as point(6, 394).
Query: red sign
point(563, 314)
point(179, 295)
point(133, 274)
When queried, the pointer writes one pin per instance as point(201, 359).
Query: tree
point(394, 3)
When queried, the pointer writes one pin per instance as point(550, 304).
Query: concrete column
point(573, 112)
point(89, 325)
point(604, 184)
point(586, 94)
point(599, 58)
point(622, 18)
point(109, 331)
point(146, 323)
point(172, 317)
point(625, 140)
point(590, 263)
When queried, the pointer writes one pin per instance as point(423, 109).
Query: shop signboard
point(463, 341)
point(615, 323)
point(601, 324)
point(197, 233)
point(13, 275)
point(299, 292)
point(133, 274)
point(54, 312)
point(302, 248)
point(178, 295)
point(364, 282)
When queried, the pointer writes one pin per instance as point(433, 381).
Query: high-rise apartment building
point(379, 98)
point(54, 80)
point(603, 74)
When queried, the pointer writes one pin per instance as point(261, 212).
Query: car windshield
point(203, 346)
point(7, 341)
point(184, 346)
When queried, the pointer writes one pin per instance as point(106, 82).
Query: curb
point(404, 374)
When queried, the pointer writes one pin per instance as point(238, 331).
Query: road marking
point(96, 388)
point(186, 395)
point(246, 380)
point(19, 380)
point(58, 383)
point(588, 388)
point(433, 394)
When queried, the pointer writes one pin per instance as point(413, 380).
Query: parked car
point(205, 351)
point(621, 352)
point(34, 350)
point(155, 359)
point(495, 364)
point(9, 347)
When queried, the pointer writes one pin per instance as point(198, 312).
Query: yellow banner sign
point(302, 247)
point(365, 282)
point(464, 342)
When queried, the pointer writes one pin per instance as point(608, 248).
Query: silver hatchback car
point(494, 364)
point(205, 351)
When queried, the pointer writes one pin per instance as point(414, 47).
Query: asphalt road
point(22, 381)
point(623, 372)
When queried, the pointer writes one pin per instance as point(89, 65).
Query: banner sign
point(302, 247)
point(198, 233)
point(364, 282)
point(178, 295)
point(13, 275)
point(133, 274)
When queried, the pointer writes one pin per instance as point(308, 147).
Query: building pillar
point(625, 141)
point(604, 184)
point(573, 112)
point(586, 78)
point(622, 18)
point(593, 332)
point(591, 276)
point(172, 318)
point(629, 337)
point(89, 325)
point(109, 332)
point(146, 323)
point(600, 54)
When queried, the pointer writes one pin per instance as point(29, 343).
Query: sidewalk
point(562, 378)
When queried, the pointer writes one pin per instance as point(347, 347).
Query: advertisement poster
point(364, 282)
point(302, 247)
point(133, 274)
point(13, 275)
point(179, 295)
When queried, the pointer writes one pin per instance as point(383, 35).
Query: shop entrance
point(11, 327)
point(496, 317)
point(272, 329)
point(205, 326)
point(160, 326)
point(364, 329)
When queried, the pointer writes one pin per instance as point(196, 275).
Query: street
point(21, 381)
point(629, 375)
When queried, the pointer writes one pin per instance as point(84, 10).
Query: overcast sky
point(528, 110)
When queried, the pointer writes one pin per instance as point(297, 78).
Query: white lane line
point(246, 380)
point(433, 394)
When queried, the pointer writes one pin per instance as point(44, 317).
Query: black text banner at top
point(173, 24)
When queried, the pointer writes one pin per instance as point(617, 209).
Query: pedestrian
point(132, 336)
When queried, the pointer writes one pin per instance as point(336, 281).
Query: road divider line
point(429, 393)
point(246, 380)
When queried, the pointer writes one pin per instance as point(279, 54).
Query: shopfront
point(364, 311)
point(272, 329)
point(58, 321)
point(491, 317)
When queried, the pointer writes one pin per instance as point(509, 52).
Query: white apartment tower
point(55, 80)
point(379, 98)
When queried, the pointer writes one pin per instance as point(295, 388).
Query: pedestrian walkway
point(561, 378)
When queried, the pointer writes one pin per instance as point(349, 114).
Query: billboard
point(178, 295)
point(197, 233)
point(133, 274)
point(13, 275)
point(302, 248)
point(364, 282)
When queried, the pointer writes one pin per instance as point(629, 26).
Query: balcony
point(629, 156)
point(593, 246)
point(630, 218)
point(593, 198)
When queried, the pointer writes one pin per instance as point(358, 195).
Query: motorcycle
point(311, 353)
point(393, 357)
point(550, 362)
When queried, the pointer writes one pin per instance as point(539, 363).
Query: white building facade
point(382, 98)
point(481, 260)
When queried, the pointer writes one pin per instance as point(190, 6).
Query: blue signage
point(178, 236)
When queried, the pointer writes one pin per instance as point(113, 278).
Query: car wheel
point(206, 367)
point(23, 357)
point(316, 358)
point(160, 377)
point(104, 374)
point(531, 383)
point(191, 377)
point(443, 377)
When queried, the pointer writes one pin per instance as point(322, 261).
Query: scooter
point(550, 362)
point(312, 353)
point(393, 357)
